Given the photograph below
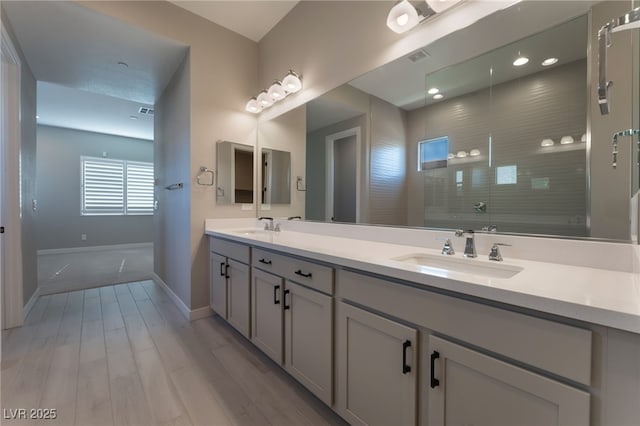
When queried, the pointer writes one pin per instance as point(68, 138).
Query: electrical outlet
point(83, 237)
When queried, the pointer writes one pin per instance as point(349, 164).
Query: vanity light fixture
point(441, 5)
point(438, 96)
point(253, 106)
point(520, 61)
point(583, 138)
point(292, 82)
point(450, 156)
point(433, 91)
point(549, 61)
point(403, 16)
point(461, 154)
point(566, 140)
point(547, 142)
point(474, 152)
point(264, 99)
point(276, 91)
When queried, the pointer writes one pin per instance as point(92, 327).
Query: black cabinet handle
point(405, 368)
point(226, 271)
point(266, 262)
point(275, 295)
point(434, 382)
point(222, 273)
point(302, 274)
point(285, 300)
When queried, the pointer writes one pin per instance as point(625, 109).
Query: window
point(507, 175)
point(432, 153)
point(116, 187)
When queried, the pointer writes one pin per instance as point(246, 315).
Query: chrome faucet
point(495, 252)
point(268, 226)
point(447, 248)
point(470, 245)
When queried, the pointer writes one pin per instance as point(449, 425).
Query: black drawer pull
point(266, 262)
point(302, 274)
point(226, 271)
point(286, 292)
point(405, 368)
point(222, 264)
point(434, 382)
point(275, 295)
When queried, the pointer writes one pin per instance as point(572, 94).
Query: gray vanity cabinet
point(291, 322)
point(467, 387)
point(230, 284)
point(377, 368)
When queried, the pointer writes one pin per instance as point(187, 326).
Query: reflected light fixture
point(547, 142)
point(253, 106)
point(450, 156)
point(520, 61)
point(433, 91)
point(461, 154)
point(403, 16)
point(583, 138)
point(474, 152)
point(291, 82)
point(441, 5)
point(549, 61)
point(276, 91)
point(566, 140)
point(264, 99)
point(438, 96)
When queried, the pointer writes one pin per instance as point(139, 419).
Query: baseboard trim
point(94, 248)
point(189, 314)
point(32, 301)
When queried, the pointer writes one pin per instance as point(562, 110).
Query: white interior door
point(11, 240)
point(338, 166)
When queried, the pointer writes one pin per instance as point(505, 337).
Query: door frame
point(12, 303)
point(330, 141)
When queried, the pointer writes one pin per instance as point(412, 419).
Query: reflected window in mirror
point(433, 153)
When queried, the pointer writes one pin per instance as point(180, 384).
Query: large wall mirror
point(235, 173)
point(483, 129)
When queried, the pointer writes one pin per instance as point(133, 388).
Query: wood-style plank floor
point(124, 355)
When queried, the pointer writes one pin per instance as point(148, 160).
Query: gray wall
point(27, 170)
point(58, 219)
point(518, 115)
point(172, 154)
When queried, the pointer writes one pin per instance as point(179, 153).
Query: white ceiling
point(324, 111)
point(252, 19)
point(62, 106)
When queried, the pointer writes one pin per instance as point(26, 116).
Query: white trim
point(189, 314)
point(31, 302)
point(12, 302)
point(330, 142)
point(94, 248)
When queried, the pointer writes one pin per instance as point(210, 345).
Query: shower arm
point(627, 21)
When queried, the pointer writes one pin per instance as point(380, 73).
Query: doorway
point(343, 172)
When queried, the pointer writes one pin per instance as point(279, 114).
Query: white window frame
point(125, 211)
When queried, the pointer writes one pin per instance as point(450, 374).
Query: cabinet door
point(218, 284)
point(376, 369)
point(468, 387)
point(266, 318)
point(238, 298)
point(309, 348)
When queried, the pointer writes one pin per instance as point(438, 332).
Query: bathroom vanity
point(392, 333)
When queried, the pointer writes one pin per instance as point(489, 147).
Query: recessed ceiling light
point(438, 96)
point(133, 117)
point(433, 91)
point(123, 64)
point(549, 61)
point(522, 60)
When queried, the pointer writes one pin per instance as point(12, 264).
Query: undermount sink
point(251, 231)
point(467, 266)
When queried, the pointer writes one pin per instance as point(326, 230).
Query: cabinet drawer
point(318, 277)
point(555, 347)
point(237, 251)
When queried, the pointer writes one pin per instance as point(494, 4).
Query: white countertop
point(598, 296)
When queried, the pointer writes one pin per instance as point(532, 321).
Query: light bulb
point(253, 106)
point(402, 19)
point(292, 82)
point(264, 99)
point(276, 91)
